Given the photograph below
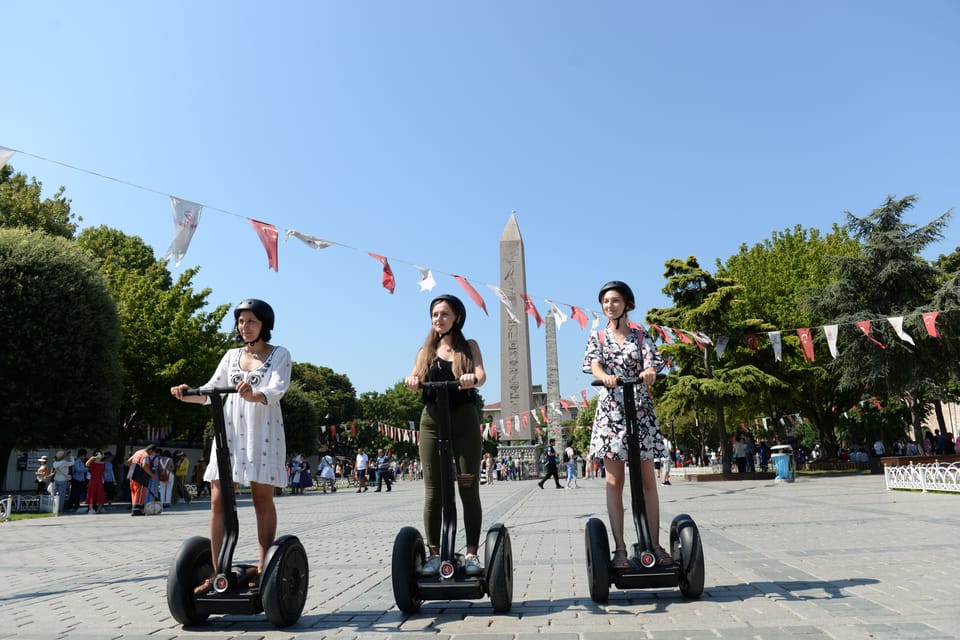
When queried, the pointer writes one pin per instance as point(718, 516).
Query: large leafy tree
point(167, 335)
point(701, 382)
point(887, 278)
point(21, 206)
point(61, 382)
point(777, 276)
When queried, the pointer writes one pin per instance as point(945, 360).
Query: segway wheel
point(598, 559)
point(499, 562)
point(686, 549)
point(284, 582)
point(192, 565)
point(408, 557)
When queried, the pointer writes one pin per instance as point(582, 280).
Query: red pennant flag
point(578, 315)
point(875, 402)
point(493, 430)
point(539, 431)
point(663, 334)
point(806, 341)
point(333, 431)
point(531, 308)
point(864, 326)
point(683, 337)
point(564, 403)
point(388, 281)
point(472, 293)
point(268, 238)
point(353, 430)
point(509, 426)
point(543, 412)
point(583, 392)
point(751, 341)
point(525, 419)
point(930, 322)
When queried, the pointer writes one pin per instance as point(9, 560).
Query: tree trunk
point(938, 408)
point(721, 422)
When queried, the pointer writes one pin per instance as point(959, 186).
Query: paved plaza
point(824, 557)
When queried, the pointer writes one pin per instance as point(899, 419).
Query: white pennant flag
point(596, 321)
point(897, 323)
point(5, 155)
point(186, 217)
point(313, 241)
point(559, 316)
point(722, 345)
point(427, 282)
point(830, 330)
point(777, 347)
point(506, 303)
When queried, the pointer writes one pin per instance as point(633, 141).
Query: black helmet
point(458, 308)
point(625, 291)
point(262, 310)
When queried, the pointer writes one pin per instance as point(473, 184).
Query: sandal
point(252, 576)
point(203, 587)
point(620, 560)
point(664, 558)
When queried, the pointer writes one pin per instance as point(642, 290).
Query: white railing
point(933, 476)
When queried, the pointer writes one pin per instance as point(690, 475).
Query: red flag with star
point(531, 308)
point(388, 281)
point(268, 238)
point(472, 293)
point(806, 341)
point(864, 325)
point(579, 316)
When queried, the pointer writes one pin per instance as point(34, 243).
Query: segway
point(410, 589)
point(282, 589)
point(644, 572)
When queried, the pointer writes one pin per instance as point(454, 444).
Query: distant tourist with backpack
point(550, 455)
point(570, 460)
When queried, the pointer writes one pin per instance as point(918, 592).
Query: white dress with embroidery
point(255, 434)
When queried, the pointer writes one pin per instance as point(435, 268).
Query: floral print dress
point(626, 361)
point(255, 434)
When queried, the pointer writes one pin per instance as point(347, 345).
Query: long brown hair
point(462, 354)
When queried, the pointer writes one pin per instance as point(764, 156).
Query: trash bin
point(784, 463)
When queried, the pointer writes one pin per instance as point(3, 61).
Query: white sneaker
point(431, 567)
point(471, 564)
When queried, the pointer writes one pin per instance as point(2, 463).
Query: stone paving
point(824, 557)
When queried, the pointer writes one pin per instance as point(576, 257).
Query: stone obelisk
point(554, 426)
point(515, 387)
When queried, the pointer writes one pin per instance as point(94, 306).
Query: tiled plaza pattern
point(826, 557)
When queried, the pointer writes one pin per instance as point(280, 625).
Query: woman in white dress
point(260, 372)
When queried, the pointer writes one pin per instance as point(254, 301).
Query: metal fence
point(933, 476)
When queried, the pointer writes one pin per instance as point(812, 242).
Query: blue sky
point(622, 133)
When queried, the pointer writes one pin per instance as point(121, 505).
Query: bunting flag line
point(268, 238)
point(388, 281)
point(427, 282)
point(186, 217)
point(930, 322)
point(505, 301)
point(310, 241)
point(472, 293)
point(864, 325)
point(531, 309)
point(5, 155)
point(830, 330)
point(897, 323)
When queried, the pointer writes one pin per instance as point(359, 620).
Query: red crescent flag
point(564, 403)
point(268, 238)
point(531, 308)
point(583, 392)
point(930, 322)
point(388, 281)
point(806, 341)
point(684, 337)
point(579, 316)
point(543, 412)
point(864, 326)
point(472, 293)
point(663, 334)
point(751, 341)
point(525, 419)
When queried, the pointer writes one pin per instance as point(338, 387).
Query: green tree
point(167, 336)
point(887, 278)
point(61, 380)
point(300, 420)
point(21, 206)
point(777, 276)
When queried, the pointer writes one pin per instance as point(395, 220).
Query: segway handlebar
point(622, 382)
point(208, 391)
point(439, 384)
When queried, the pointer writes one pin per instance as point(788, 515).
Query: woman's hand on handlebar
point(177, 391)
point(648, 376)
point(609, 380)
point(412, 383)
point(468, 381)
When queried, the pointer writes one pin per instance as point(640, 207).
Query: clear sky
point(622, 133)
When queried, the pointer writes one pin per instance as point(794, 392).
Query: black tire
point(598, 559)
point(686, 548)
point(284, 582)
point(192, 565)
point(498, 553)
point(408, 557)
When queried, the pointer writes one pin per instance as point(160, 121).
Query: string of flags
point(186, 220)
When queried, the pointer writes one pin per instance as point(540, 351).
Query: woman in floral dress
point(260, 372)
point(625, 350)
